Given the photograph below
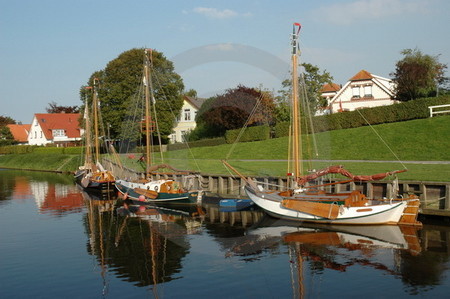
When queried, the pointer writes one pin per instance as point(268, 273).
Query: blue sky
point(49, 48)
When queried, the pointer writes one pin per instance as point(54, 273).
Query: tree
point(54, 108)
point(121, 81)
point(191, 93)
point(312, 80)
point(418, 75)
point(6, 120)
point(235, 108)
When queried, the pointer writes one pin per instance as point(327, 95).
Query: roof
point(330, 87)
point(19, 132)
point(196, 102)
point(361, 75)
point(59, 121)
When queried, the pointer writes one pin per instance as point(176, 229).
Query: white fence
point(438, 109)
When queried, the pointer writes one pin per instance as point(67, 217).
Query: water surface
point(58, 241)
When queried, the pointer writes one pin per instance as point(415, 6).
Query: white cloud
point(215, 13)
point(348, 13)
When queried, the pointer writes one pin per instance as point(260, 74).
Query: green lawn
point(416, 140)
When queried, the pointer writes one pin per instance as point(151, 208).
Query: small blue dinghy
point(235, 204)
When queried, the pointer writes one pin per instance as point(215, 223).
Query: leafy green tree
point(235, 108)
point(53, 107)
point(418, 75)
point(6, 120)
point(191, 93)
point(6, 137)
point(121, 84)
point(312, 81)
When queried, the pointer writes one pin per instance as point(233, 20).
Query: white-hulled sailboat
point(306, 202)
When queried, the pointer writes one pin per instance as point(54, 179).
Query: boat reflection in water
point(387, 248)
point(142, 244)
point(148, 246)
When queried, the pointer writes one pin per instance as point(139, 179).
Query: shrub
point(250, 134)
point(410, 110)
point(281, 129)
point(16, 149)
point(198, 143)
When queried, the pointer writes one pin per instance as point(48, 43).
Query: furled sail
point(341, 170)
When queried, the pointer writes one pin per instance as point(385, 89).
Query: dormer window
point(368, 91)
point(355, 92)
point(58, 133)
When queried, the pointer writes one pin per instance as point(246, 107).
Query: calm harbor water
point(57, 241)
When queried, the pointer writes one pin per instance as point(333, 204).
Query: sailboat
point(305, 201)
point(92, 175)
point(148, 190)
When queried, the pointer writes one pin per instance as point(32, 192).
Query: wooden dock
point(434, 196)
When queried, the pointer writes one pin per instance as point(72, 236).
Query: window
point(187, 114)
point(368, 91)
point(355, 92)
point(41, 134)
point(58, 133)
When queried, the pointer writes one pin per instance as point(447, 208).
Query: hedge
point(404, 111)
point(249, 134)
point(16, 149)
point(23, 149)
point(198, 143)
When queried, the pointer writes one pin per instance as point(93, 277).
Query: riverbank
point(63, 163)
point(437, 171)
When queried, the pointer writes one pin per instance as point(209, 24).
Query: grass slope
point(421, 140)
point(416, 140)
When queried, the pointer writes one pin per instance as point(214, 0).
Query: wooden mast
point(95, 108)
point(296, 125)
point(87, 136)
point(147, 79)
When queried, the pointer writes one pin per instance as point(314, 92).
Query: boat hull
point(88, 183)
point(385, 213)
point(130, 189)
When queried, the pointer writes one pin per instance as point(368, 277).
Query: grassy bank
point(41, 161)
point(416, 140)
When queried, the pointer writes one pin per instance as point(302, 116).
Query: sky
point(50, 48)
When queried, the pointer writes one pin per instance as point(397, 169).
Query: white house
point(61, 129)
point(364, 90)
point(186, 119)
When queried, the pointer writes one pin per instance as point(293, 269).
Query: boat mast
point(87, 135)
point(95, 108)
point(147, 79)
point(296, 131)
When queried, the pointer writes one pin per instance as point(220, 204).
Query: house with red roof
point(363, 90)
point(19, 132)
point(62, 129)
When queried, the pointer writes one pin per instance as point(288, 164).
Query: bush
point(198, 143)
point(281, 129)
point(16, 149)
point(249, 134)
point(410, 110)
